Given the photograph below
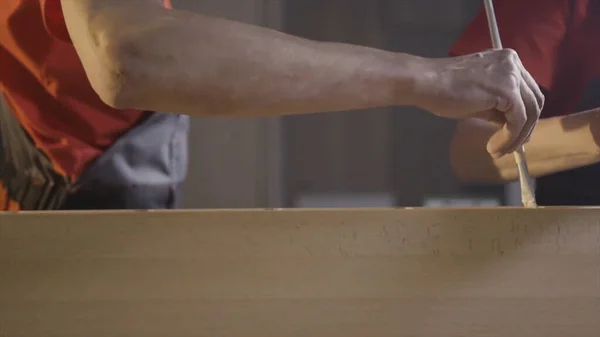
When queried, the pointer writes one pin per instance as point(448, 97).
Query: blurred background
point(379, 157)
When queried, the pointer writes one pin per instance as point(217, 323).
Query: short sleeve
point(54, 19)
point(535, 29)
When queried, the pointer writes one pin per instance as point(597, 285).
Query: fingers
point(533, 108)
point(534, 90)
point(532, 96)
point(518, 126)
point(531, 83)
point(515, 115)
point(521, 107)
point(497, 144)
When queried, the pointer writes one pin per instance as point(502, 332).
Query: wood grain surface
point(303, 273)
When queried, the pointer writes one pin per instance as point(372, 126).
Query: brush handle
point(527, 192)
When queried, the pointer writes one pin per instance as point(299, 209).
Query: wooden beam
point(303, 273)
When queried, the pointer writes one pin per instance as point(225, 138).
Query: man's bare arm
point(139, 55)
point(557, 144)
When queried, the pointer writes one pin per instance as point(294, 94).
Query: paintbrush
point(527, 192)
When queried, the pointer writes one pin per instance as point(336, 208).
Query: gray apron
point(144, 169)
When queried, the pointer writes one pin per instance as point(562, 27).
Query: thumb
point(502, 138)
point(498, 143)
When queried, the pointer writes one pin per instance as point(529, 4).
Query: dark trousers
point(98, 197)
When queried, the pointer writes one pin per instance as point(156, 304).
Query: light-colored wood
point(303, 273)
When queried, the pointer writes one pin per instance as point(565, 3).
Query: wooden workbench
point(302, 273)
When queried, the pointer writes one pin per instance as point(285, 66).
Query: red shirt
point(44, 83)
point(557, 41)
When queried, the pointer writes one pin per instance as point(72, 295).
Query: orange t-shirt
point(44, 83)
point(556, 40)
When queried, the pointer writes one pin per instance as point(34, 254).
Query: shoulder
point(54, 19)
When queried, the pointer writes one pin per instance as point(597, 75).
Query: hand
point(492, 85)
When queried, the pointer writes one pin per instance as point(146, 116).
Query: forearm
point(557, 144)
point(189, 63)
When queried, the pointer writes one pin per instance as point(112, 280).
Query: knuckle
point(509, 53)
point(520, 119)
point(512, 82)
point(510, 59)
point(511, 70)
point(504, 104)
point(512, 67)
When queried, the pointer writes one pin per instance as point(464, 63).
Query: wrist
point(415, 78)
